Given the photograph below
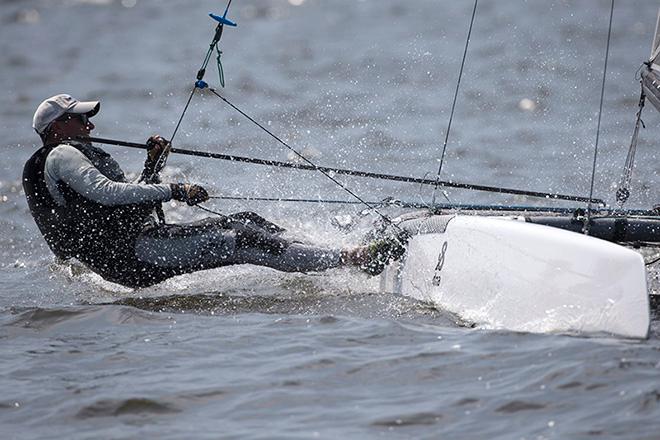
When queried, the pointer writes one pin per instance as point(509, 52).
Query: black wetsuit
point(85, 209)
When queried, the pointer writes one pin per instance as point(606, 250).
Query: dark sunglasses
point(83, 118)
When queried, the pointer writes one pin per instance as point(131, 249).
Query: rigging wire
point(202, 70)
point(161, 160)
point(325, 171)
point(391, 201)
point(302, 200)
point(585, 229)
point(387, 220)
point(453, 105)
point(654, 259)
point(623, 192)
point(162, 157)
point(185, 109)
point(210, 211)
point(349, 172)
point(201, 84)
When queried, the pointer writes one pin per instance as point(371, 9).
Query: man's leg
point(210, 243)
point(294, 258)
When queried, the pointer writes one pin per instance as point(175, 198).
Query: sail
point(651, 70)
point(655, 49)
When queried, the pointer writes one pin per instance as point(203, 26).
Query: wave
point(363, 305)
point(76, 317)
point(132, 406)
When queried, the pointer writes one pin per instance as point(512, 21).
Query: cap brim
point(89, 108)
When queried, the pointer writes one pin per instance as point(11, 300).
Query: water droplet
point(527, 104)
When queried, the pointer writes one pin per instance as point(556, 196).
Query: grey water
point(247, 352)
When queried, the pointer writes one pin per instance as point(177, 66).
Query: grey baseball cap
point(55, 106)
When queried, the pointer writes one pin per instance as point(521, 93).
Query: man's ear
point(54, 129)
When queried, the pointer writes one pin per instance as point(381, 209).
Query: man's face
point(69, 126)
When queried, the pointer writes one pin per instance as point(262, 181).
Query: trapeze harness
point(86, 209)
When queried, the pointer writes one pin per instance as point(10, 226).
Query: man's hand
point(191, 194)
point(157, 145)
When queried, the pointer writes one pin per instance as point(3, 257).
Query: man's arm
point(66, 164)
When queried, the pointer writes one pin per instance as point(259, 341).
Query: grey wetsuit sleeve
point(66, 164)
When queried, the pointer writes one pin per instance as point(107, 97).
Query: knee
point(249, 238)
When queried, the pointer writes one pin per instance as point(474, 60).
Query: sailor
point(86, 209)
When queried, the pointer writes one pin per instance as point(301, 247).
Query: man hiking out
point(86, 209)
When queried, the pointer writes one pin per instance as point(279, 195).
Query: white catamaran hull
point(502, 273)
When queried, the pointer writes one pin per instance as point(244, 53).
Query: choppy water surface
point(246, 352)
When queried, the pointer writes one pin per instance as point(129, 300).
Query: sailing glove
point(156, 147)
point(191, 194)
